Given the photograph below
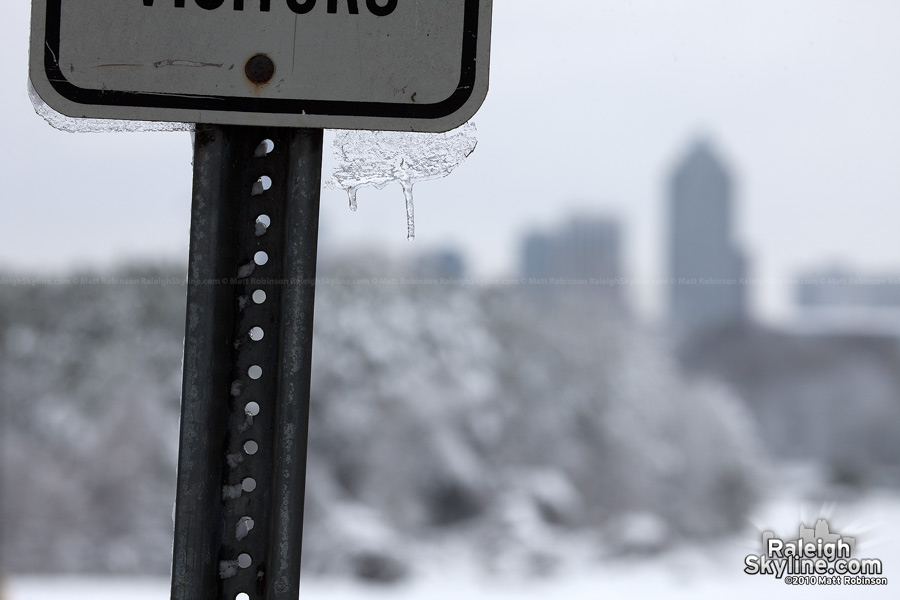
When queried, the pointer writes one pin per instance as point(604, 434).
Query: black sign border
point(437, 110)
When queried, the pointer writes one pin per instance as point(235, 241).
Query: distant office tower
point(837, 287)
point(444, 264)
point(704, 263)
point(586, 248)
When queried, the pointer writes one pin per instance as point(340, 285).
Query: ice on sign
point(377, 158)
point(415, 65)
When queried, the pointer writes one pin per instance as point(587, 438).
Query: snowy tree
point(510, 426)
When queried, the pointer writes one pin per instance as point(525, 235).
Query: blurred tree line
point(515, 428)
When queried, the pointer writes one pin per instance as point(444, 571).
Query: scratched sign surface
point(418, 65)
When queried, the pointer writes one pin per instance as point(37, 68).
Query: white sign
point(416, 65)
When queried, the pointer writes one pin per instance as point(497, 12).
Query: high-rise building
point(705, 265)
point(836, 287)
point(446, 263)
point(587, 248)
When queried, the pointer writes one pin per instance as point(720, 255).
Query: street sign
point(416, 65)
point(261, 78)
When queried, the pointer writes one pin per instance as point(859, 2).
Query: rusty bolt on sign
point(260, 69)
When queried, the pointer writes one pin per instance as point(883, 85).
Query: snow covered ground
point(700, 573)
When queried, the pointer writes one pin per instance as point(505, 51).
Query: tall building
point(587, 248)
point(705, 265)
point(446, 263)
point(836, 287)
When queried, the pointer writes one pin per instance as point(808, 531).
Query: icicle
point(410, 210)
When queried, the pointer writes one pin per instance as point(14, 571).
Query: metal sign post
point(248, 344)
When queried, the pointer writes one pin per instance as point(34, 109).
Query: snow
point(690, 572)
point(456, 416)
point(464, 440)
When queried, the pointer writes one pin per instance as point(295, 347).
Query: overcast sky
point(591, 103)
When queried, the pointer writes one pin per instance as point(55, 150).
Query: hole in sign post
point(261, 185)
point(265, 147)
point(262, 224)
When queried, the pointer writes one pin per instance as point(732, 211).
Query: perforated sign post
point(261, 79)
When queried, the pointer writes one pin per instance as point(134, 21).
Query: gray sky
point(591, 103)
